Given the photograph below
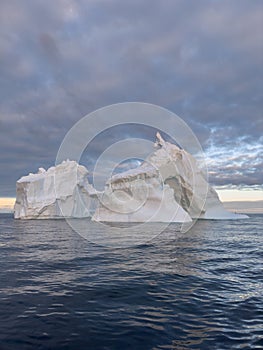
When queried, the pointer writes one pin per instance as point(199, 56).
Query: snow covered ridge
point(167, 187)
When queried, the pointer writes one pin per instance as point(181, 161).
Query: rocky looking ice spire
point(159, 140)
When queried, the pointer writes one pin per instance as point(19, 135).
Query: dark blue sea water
point(198, 290)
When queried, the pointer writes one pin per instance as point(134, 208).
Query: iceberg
point(167, 187)
point(61, 191)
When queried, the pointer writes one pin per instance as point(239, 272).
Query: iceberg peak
point(159, 140)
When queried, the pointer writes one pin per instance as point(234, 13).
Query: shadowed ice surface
point(197, 290)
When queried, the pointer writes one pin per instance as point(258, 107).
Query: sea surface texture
point(199, 290)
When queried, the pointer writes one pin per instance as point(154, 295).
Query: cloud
point(238, 162)
point(63, 59)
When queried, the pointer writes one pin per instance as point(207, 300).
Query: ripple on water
point(200, 290)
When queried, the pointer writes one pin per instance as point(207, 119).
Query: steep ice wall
point(138, 196)
point(180, 171)
point(60, 191)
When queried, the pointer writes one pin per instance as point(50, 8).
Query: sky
point(60, 60)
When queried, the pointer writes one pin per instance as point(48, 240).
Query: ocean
point(202, 289)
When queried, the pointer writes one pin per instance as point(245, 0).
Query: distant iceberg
point(167, 187)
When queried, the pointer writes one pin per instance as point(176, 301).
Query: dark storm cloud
point(60, 60)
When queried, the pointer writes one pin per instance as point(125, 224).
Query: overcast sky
point(60, 60)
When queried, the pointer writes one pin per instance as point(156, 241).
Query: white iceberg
point(60, 191)
point(167, 187)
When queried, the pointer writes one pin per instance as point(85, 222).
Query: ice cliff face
point(138, 196)
point(167, 187)
point(61, 191)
